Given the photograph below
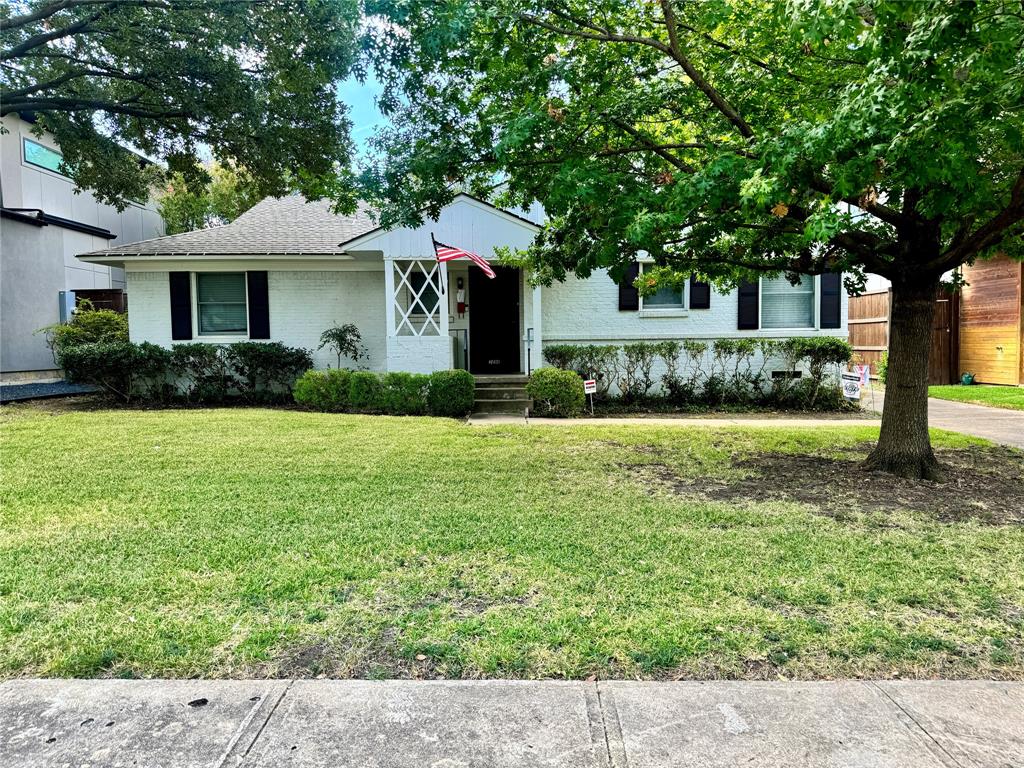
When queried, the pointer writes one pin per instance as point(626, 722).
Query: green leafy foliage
point(86, 325)
point(254, 83)
point(345, 341)
point(728, 139)
point(450, 393)
point(405, 394)
point(265, 370)
point(323, 390)
point(366, 392)
point(556, 392)
point(256, 372)
point(883, 367)
point(124, 370)
point(754, 373)
point(444, 393)
point(229, 193)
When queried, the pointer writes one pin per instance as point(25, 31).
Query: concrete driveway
point(510, 724)
point(1000, 425)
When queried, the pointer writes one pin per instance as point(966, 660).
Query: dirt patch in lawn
point(983, 484)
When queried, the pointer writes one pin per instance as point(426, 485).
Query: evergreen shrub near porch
point(800, 373)
point(443, 393)
point(556, 392)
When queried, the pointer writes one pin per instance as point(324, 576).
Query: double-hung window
point(664, 298)
point(784, 305)
point(221, 303)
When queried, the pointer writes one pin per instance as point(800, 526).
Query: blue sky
point(361, 99)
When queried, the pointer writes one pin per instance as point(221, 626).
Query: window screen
point(221, 302)
point(784, 305)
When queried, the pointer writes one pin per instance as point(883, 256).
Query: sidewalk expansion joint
point(934, 745)
point(244, 727)
point(615, 748)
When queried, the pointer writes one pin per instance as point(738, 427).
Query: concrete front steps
point(501, 394)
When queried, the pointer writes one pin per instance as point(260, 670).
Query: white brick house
point(289, 269)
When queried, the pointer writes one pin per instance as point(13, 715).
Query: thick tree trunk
point(904, 447)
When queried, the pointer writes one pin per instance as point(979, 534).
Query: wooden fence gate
point(869, 333)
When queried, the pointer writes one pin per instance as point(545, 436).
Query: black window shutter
point(181, 306)
point(749, 311)
point(629, 296)
point(831, 300)
point(259, 305)
point(700, 294)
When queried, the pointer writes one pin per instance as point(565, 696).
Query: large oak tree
point(734, 138)
point(249, 82)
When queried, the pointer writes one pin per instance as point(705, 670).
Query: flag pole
point(440, 270)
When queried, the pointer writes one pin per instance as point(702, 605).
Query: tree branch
point(987, 235)
point(56, 34)
point(54, 103)
point(675, 50)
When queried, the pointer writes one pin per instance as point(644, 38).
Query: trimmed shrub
point(202, 372)
point(883, 366)
point(405, 394)
point(266, 370)
point(556, 392)
point(323, 390)
point(562, 356)
point(86, 326)
point(638, 360)
point(450, 393)
point(600, 362)
point(119, 368)
point(365, 392)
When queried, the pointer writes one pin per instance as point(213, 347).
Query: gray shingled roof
point(287, 225)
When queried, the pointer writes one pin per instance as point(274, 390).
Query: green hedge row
point(250, 371)
point(444, 393)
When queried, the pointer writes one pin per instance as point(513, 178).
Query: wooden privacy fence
point(869, 326)
point(869, 333)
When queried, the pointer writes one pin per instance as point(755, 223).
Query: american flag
point(448, 253)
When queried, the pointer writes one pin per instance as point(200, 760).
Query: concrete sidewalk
point(499, 724)
point(1000, 425)
point(749, 420)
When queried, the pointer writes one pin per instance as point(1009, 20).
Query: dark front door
point(494, 321)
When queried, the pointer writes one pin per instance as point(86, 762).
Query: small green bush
point(365, 392)
point(883, 366)
point(405, 394)
point(450, 393)
point(86, 326)
point(556, 392)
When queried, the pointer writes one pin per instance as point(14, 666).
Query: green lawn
point(266, 542)
point(998, 397)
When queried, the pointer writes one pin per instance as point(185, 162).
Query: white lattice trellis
point(415, 318)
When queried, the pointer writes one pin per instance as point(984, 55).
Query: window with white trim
point(784, 305)
point(221, 303)
point(664, 298)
